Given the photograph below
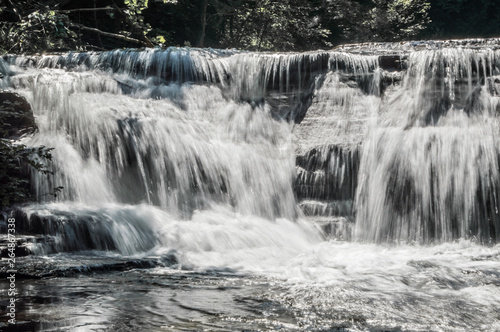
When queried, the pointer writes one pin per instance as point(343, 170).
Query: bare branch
point(84, 10)
point(108, 34)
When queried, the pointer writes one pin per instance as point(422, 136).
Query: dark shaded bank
point(16, 121)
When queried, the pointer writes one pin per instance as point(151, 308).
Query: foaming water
point(215, 238)
point(220, 270)
point(405, 287)
point(179, 153)
point(430, 163)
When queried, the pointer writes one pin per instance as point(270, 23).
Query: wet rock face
point(16, 115)
point(327, 173)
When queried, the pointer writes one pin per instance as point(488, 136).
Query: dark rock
point(16, 115)
point(20, 251)
point(19, 326)
point(342, 208)
point(318, 177)
point(35, 268)
point(392, 62)
point(339, 228)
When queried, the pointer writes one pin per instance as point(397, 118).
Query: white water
point(192, 153)
point(430, 166)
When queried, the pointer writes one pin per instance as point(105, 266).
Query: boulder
point(16, 115)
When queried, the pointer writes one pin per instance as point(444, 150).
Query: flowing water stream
point(219, 190)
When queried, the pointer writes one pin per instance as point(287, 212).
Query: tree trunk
point(96, 26)
point(264, 28)
point(203, 23)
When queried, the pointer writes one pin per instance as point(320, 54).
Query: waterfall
point(395, 147)
point(429, 170)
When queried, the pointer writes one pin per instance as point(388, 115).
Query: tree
point(464, 18)
point(392, 20)
point(204, 6)
point(244, 24)
point(267, 24)
point(34, 26)
point(375, 20)
point(30, 27)
point(344, 19)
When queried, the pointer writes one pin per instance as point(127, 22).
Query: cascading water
point(353, 189)
point(430, 166)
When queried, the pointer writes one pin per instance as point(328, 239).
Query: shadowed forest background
point(34, 26)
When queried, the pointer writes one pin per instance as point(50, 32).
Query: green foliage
point(135, 17)
point(344, 18)
point(33, 26)
point(35, 30)
point(270, 25)
point(14, 162)
point(392, 20)
point(134, 12)
point(377, 20)
point(17, 160)
point(245, 24)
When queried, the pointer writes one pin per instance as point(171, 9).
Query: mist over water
point(227, 190)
